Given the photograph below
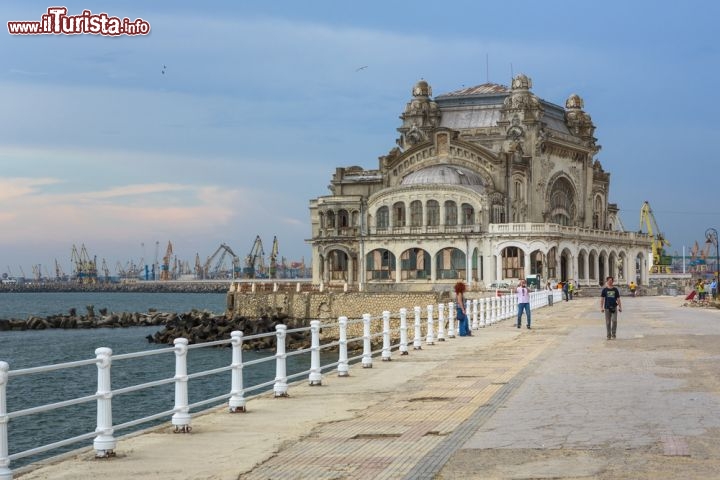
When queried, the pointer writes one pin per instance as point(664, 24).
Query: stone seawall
point(328, 305)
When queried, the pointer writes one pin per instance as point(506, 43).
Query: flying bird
point(361, 68)
point(163, 70)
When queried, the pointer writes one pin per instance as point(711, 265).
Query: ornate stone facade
point(486, 183)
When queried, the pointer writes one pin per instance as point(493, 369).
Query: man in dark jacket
point(610, 305)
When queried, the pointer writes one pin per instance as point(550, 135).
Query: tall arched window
point(450, 213)
point(399, 214)
point(343, 219)
point(468, 214)
point(562, 202)
point(433, 213)
point(598, 213)
point(382, 221)
point(416, 213)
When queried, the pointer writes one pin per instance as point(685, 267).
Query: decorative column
point(181, 417)
point(441, 322)
point(237, 398)
point(281, 387)
point(430, 338)
point(403, 332)
point(386, 355)
point(343, 370)
point(417, 342)
point(5, 472)
point(451, 320)
point(367, 348)
point(475, 325)
point(315, 377)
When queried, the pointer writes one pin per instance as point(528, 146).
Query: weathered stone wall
point(328, 305)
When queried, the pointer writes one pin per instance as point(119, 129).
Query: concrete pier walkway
point(558, 401)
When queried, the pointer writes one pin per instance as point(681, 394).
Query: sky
point(226, 119)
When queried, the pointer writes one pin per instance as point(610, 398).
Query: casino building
point(486, 184)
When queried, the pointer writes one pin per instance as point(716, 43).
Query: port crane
point(661, 263)
point(273, 258)
point(165, 267)
point(59, 273)
point(254, 261)
point(106, 271)
point(217, 259)
point(85, 269)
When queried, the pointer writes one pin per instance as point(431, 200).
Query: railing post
point(367, 347)
point(430, 338)
point(417, 342)
point(475, 314)
point(441, 322)
point(468, 314)
point(5, 472)
point(281, 387)
point(237, 398)
point(451, 320)
point(181, 417)
point(386, 353)
point(403, 332)
point(343, 370)
point(315, 377)
point(493, 309)
point(104, 443)
point(481, 320)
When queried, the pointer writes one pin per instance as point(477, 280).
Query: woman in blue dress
point(463, 326)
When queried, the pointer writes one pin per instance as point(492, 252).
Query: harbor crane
point(106, 271)
point(217, 259)
point(254, 261)
point(85, 269)
point(165, 267)
point(661, 263)
point(273, 258)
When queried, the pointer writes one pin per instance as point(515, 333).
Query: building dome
point(444, 175)
point(422, 89)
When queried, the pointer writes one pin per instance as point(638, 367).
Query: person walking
point(463, 326)
point(610, 305)
point(571, 289)
point(565, 291)
point(523, 295)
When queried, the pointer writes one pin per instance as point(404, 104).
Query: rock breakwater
point(197, 326)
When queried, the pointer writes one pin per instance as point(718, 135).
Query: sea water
point(32, 348)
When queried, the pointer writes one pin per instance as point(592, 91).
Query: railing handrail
point(482, 312)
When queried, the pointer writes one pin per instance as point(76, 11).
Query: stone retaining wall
point(329, 306)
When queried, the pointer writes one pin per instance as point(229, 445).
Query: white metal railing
point(483, 312)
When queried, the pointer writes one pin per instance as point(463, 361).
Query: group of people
point(610, 305)
point(701, 289)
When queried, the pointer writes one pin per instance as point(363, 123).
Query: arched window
point(513, 262)
point(399, 214)
point(416, 213)
point(598, 213)
point(330, 219)
point(468, 214)
point(498, 213)
point(451, 213)
point(382, 221)
point(433, 213)
point(343, 219)
point(562, 202)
